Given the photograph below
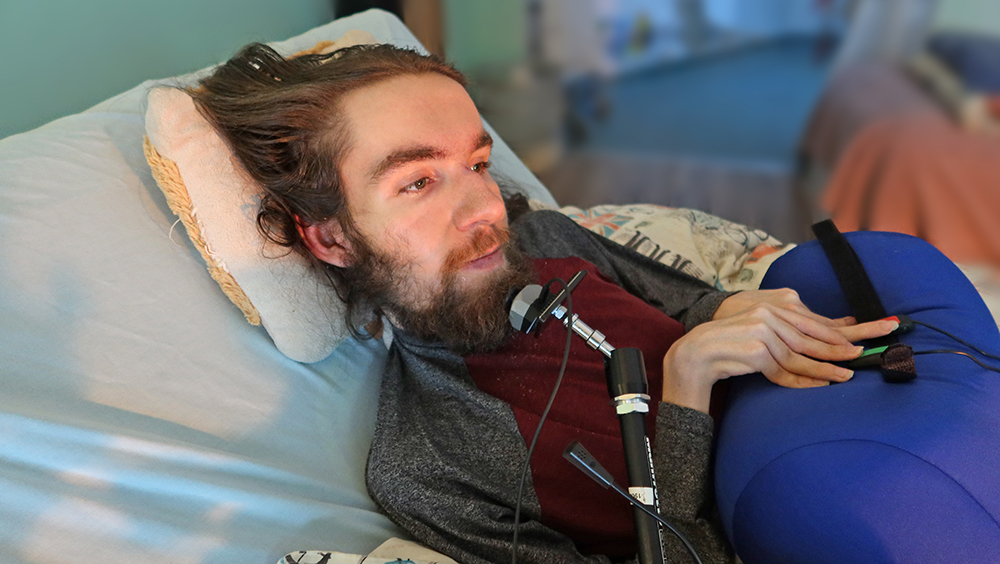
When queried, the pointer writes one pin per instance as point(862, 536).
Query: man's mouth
point(484, 252)
point(487, 261)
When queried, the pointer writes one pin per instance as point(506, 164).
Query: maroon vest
point(523, 373)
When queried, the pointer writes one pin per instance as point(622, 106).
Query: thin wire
point(545, 413)
point(973, 347)
point(664, 522)
point(974, 359)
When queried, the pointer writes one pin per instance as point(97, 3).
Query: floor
point(718, 134)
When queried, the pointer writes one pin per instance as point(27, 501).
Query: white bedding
point(141, 418)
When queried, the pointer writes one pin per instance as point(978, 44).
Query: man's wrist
point(683, 386)
point(703, 310)
point(690, 397)
point(728, 309)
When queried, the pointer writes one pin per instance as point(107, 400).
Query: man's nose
point(480, 202)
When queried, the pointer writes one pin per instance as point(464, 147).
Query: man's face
point(422, 200)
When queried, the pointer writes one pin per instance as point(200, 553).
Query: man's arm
point(727, 334)
point(682, 452)
point(766, 331)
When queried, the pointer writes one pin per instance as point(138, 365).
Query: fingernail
point(894, 319)
point(848, 374)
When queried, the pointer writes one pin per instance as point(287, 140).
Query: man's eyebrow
point(485, 140)
point(401, 157)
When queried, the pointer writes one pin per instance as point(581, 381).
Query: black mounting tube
point(629, 389)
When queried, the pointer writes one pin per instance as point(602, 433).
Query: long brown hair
point(283, 121)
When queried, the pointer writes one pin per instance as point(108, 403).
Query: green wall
point(62, 56)
point(485, 32)
point(968, 15)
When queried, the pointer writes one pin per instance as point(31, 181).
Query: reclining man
point(375, 164)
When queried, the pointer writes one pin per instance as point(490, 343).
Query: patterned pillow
point(724, 254)
point(392, 550)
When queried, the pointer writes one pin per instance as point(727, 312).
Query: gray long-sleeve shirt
point(446, 457)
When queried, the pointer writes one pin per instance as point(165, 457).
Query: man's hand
point(768, 331)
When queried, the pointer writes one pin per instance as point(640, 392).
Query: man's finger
point(844, 321)
point(800, 365)
point(869, 330)
point(775, 357)
point(788, 379)
point(817, 330)
point(807, 313)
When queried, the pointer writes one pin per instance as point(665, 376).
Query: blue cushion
point(868, 471)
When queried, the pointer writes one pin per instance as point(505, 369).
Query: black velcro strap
point(897, 365)
point(858, 289)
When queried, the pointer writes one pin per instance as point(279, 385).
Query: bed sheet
point(141, 418)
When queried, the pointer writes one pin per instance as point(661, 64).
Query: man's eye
point(481, 167)
point(416, 186)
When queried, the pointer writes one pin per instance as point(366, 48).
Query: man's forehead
point(427, 113)
point(399, 103)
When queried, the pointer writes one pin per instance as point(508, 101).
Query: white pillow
point(217, 202)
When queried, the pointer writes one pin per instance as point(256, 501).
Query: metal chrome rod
point(595, 339)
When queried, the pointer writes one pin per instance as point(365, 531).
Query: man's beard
point(467, 319)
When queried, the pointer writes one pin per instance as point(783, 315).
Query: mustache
point(484, 240)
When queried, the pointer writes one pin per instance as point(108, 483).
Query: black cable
point(974, 359)
point(962, 341)
point(541, 421)
point(579, 456)
point(677, 533)
point(982, 352)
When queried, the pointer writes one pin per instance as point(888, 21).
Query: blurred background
point(771, 113)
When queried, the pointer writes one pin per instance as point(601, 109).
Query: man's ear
point(327, 242)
